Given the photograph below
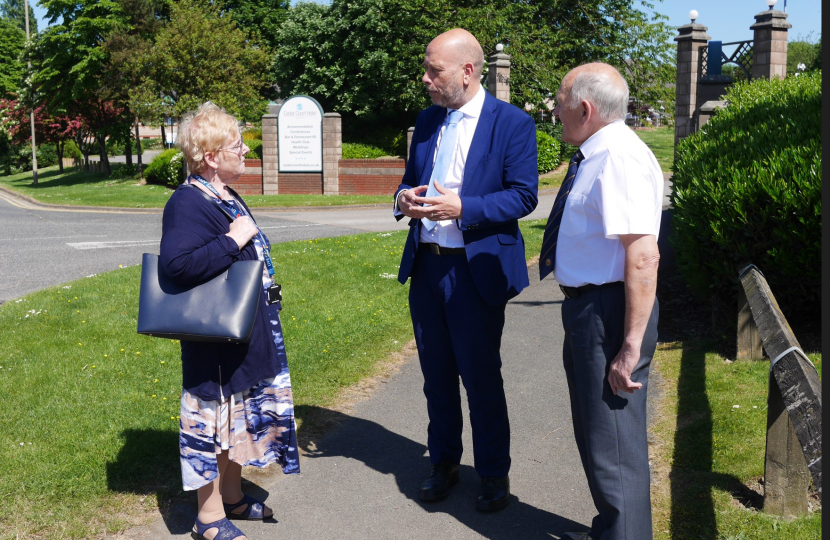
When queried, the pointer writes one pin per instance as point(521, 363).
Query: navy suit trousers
point(458, 334)
point(610, 430)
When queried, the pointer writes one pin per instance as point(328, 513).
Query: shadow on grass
point(332, 433)
point(692, 476)
point(148, 464)
point(72, 176)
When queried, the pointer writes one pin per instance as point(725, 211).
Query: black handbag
point(222, 309)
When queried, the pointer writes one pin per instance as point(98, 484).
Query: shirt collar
point(595, 142)
point(473, 107)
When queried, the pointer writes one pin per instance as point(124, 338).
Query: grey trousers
point(610, 430)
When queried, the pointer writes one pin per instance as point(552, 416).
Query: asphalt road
point(42, 247)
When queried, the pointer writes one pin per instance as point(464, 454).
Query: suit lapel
point(478, 146)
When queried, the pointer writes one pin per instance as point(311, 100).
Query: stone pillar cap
point(499, 59)
point(331, 115)
point(771, 18)
point(712, 106)
point(693, 32)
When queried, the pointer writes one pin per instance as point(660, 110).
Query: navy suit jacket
point(500, 186)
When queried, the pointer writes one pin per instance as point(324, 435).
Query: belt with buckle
point(576, 292)
point(435, 249)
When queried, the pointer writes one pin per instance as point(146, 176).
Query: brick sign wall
point(357, 177)
point(370, 176)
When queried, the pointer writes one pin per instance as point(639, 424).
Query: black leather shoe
point(437, 486)
point(576, 536)
point(494, 494)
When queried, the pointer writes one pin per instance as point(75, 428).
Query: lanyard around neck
point(239, 207)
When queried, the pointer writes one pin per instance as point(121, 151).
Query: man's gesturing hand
point(445, 206)
point(407, 204)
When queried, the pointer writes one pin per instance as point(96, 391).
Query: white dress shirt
point(446, 233)
point(618, 190)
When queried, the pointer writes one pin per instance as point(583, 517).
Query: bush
point(71, 150)
point(747, 188)
point(252, 134)
point(166, 169)
point(383, 131)
point(256, 149)
point(362, 151)
point(549, 152)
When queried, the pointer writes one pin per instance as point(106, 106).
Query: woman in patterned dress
point(236, 407)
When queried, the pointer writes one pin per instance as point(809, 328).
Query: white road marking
point(114, 244)
point(293, 226)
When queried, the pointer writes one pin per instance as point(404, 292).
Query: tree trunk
point(138, 148)
point(59, 148)
point(105, 160)
point(163, 137)
point(128, 149)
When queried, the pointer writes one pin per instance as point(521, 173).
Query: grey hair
point(607, 92)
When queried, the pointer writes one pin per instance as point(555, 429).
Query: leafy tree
point(201, 55)
point(12, 44)
point(359, 56)
point(13, 10)
point(124, 77)
point(54, 129)
point(70, 61)
point(260, 17)
point(803, 51)
point(365, 56)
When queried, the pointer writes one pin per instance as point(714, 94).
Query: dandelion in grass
point(162, 361)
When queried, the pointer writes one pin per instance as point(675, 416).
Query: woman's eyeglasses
point(240, 148)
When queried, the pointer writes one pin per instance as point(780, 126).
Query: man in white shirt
point(470, 176)
point(601, 245)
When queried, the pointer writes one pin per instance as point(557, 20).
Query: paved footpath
point(361, 480)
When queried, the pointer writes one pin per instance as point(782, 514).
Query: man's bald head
point(462, 47)
point(602, 85)
point(452, 68)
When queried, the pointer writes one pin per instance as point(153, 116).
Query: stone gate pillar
point(498, 74)
point(332, 152)
point(270, 160)
point(690, 39)
point(769, 49)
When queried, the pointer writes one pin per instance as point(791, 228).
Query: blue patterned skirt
point(256, 426)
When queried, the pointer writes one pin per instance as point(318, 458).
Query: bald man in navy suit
point(471, 175)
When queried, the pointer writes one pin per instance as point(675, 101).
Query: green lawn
point(90, 436)
point(661, 142)
point(79, 188)
point(709, 447)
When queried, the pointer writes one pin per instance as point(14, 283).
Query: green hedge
point(747, 188)
point(362, 151)
point(549, 151)
point(256, 149)
point(166, 168)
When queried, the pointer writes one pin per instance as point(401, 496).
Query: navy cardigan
point(194, 249)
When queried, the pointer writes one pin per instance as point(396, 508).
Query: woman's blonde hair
point(205, 130)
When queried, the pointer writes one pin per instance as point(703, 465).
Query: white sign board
point(300, 135)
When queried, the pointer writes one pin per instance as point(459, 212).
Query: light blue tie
point(442, 161)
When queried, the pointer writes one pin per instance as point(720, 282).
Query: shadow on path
point(390, 453)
